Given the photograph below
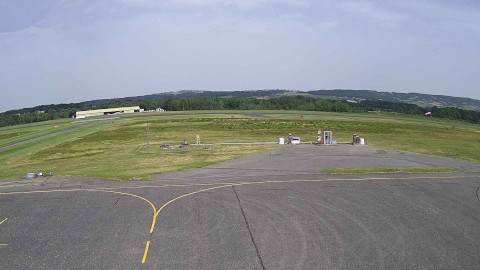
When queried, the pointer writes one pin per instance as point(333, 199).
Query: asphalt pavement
point(272, 210)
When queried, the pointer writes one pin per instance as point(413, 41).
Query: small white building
point(159, 110)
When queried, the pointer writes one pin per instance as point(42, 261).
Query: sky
point(61, 51)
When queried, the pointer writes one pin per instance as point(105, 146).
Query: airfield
point(272, 210)
point(269, 209)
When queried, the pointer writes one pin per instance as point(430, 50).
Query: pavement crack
point(249, 230)
point(75, 193)
point(380, 186)
point(117, 200)
point(420, 162)
point(476, 193)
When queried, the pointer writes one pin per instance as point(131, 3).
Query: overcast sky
point(54, 51)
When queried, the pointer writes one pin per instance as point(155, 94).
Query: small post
point(147, 138)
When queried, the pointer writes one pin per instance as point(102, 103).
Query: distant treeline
point(306, 103)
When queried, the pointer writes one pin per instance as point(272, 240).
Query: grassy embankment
point(118, 150)
point(13, 134)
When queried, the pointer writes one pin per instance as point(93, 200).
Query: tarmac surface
point(272, 210)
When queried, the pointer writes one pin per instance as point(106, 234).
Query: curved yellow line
point(188, 194)
point(3, 221)
point(229, 185)
point(91, 190)
point(155, 212)
point(271, 181)
point(279, 182)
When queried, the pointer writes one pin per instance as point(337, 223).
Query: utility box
point(319, 137)
point(358, 141)
point(327, 137)
point(295, 140)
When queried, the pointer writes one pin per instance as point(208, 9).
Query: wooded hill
point(321, 100)
point(423, 100)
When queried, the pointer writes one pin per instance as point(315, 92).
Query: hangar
point(83, 114)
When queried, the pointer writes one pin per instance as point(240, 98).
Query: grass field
point(9, 135)
point(118, 150)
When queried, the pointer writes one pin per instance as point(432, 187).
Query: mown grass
point(118, 150)
point(388, 170)
point(25, 150)
point(15, 134)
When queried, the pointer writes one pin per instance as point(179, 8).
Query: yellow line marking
point(287, 181)
point(91, 190)
point(188, 194)
point(146, 252)
point(155, 212)
point(291, 181)
point(95, 190)
point(2, 245)
point(234, 183)
point(3, 221)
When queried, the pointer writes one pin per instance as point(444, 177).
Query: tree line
point(297, 102)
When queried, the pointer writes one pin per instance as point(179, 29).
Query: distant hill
point(318, 100)
point(423, 100)
point(195, 94)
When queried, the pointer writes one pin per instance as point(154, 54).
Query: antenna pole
point(147, 138)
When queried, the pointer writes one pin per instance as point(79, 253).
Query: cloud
point(214, 3)
point(373, 12)
point(87, 49)
point(20, 14)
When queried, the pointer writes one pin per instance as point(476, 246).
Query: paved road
point(268, 211)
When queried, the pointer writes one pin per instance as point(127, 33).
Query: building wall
point(84, 114)
point(81, 116)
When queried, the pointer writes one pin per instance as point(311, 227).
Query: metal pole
point(147, 128)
